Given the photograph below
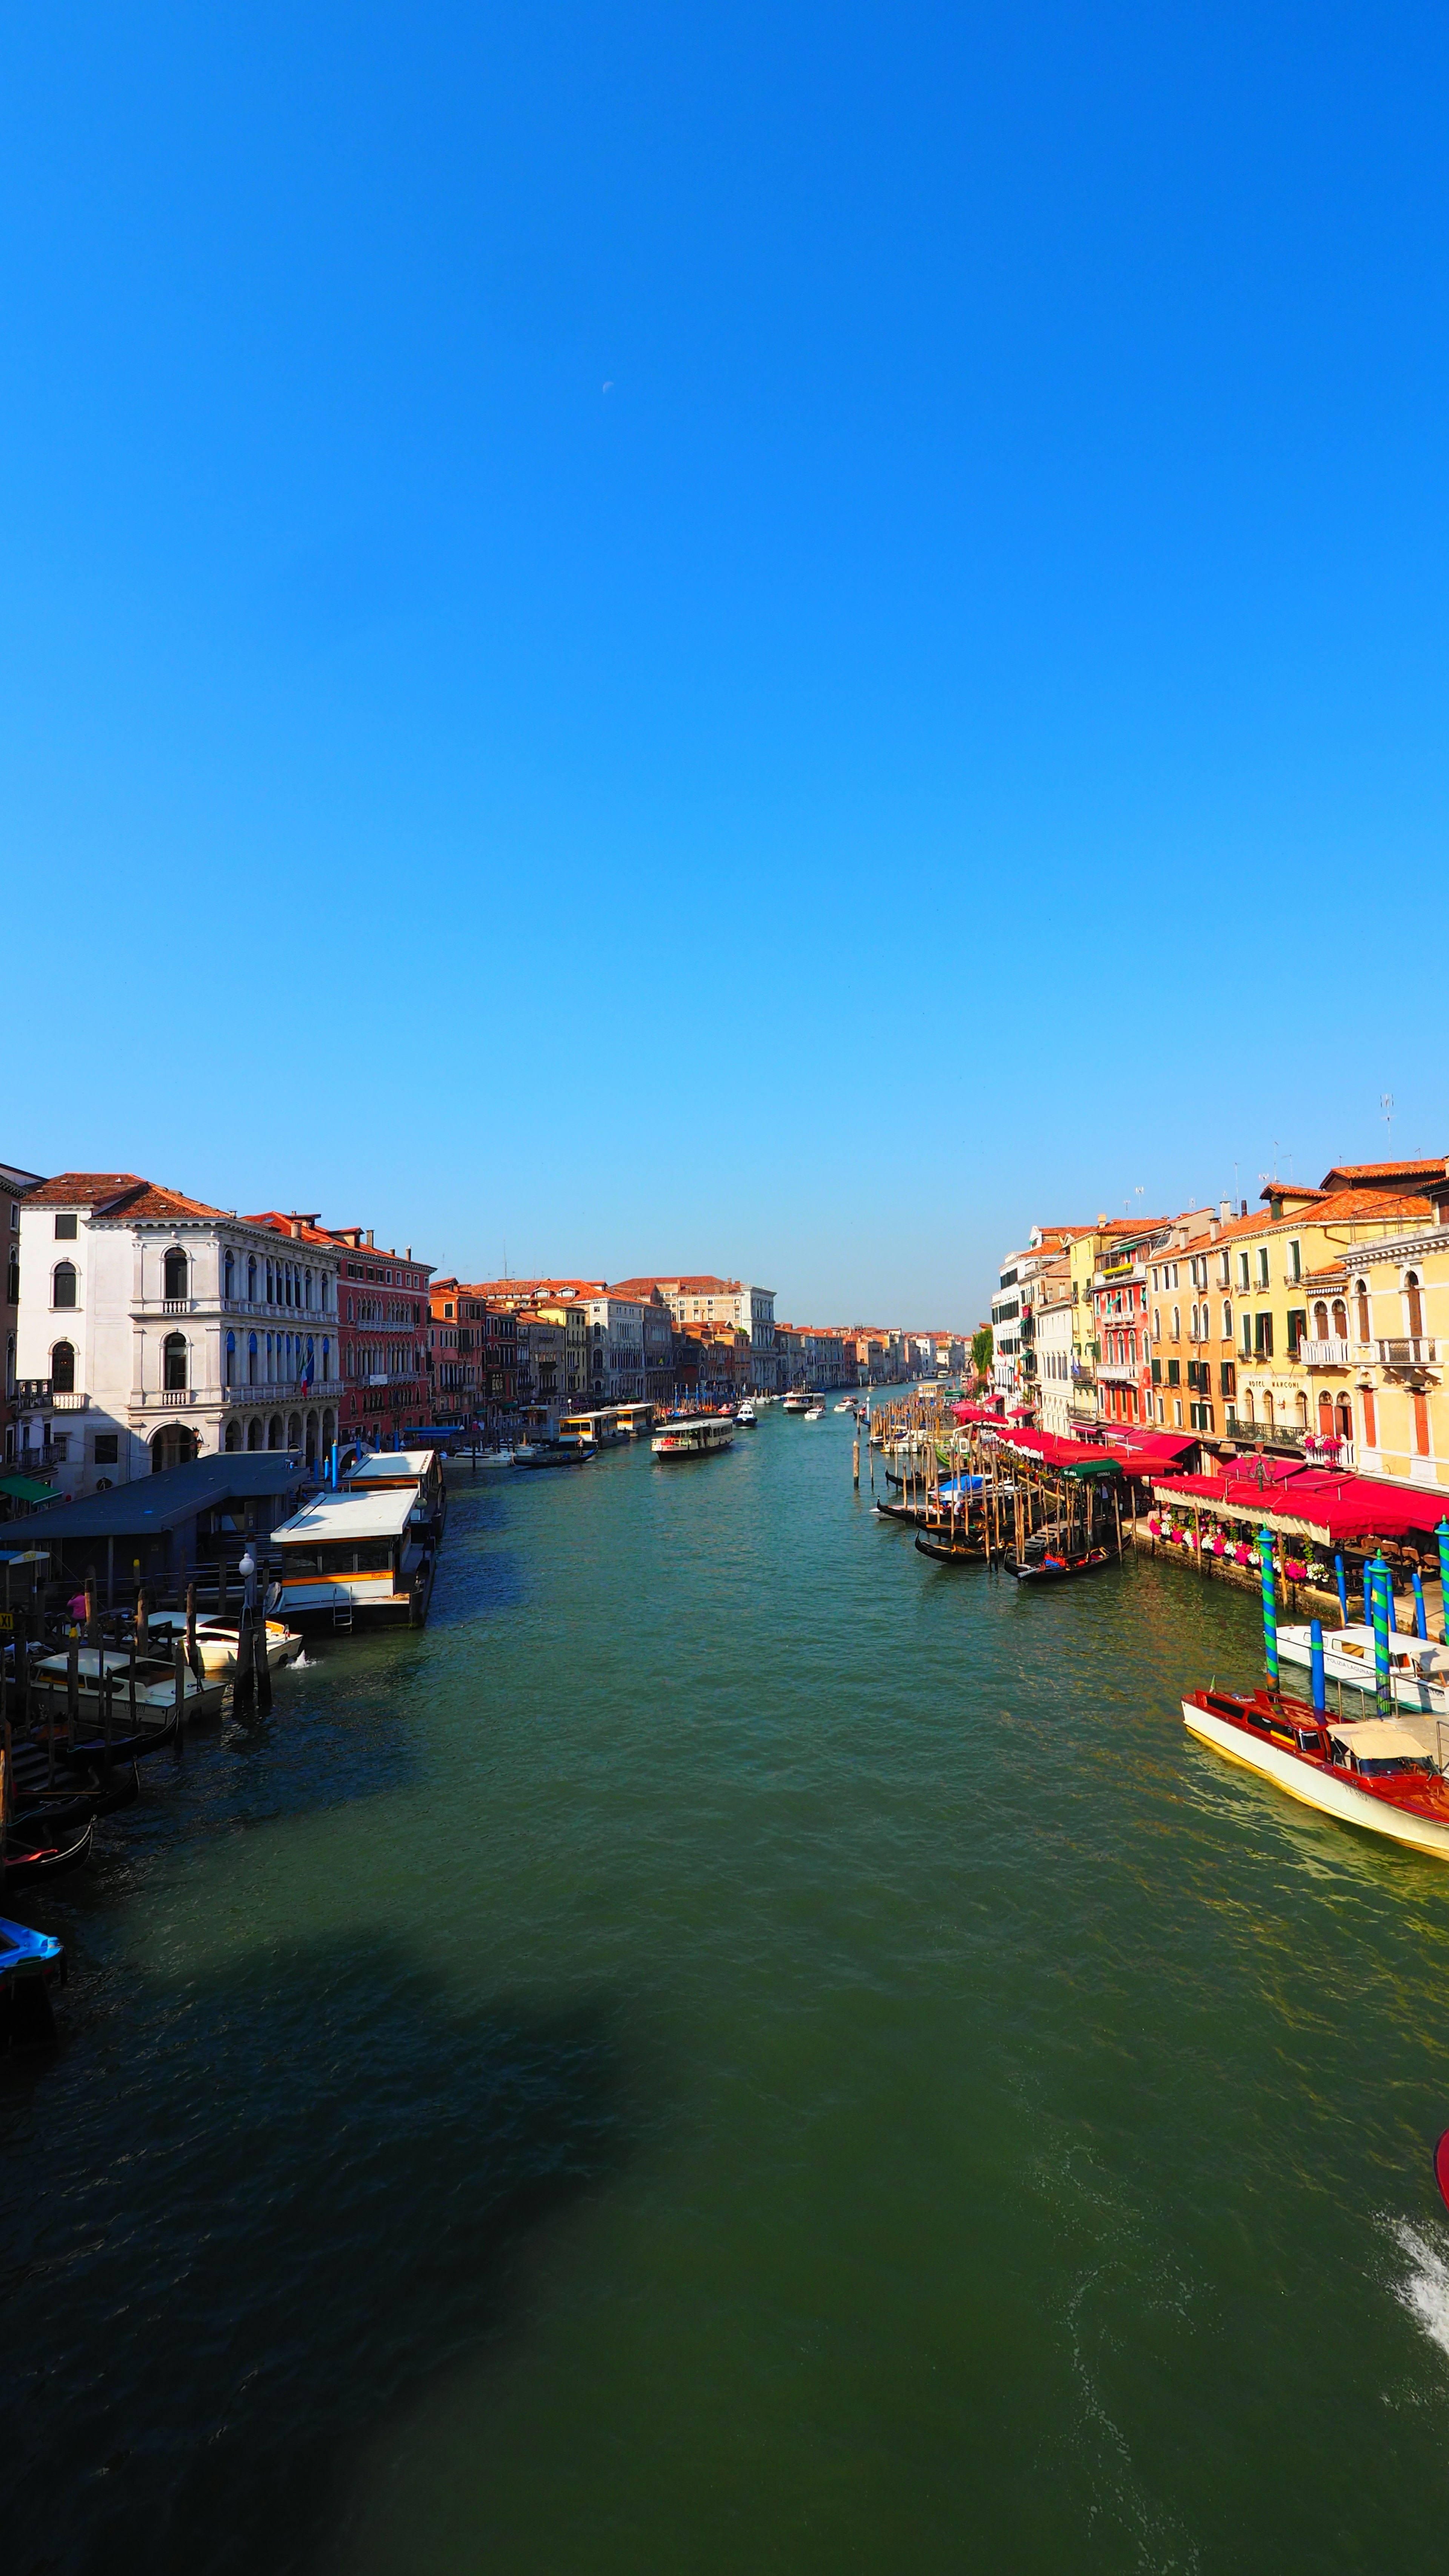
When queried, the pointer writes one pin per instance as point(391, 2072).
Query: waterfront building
point(15, 1185)
point(154, 1329)
point(1013, 1356)
point(701, 1297)
point(1054, 1313)
point(1396, 1299)
point(382, 1331)
point(454, 1351)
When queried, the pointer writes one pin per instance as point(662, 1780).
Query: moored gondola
point(948, 1551)
point(1057, 1567)
point(44, 1850)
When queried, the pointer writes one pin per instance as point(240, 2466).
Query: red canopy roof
point(1341, 1507)
point(1051, 1449)
point(1142, 1451)
point(974, 1413)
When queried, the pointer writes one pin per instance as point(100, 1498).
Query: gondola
point(28, 1854)
point(949, 1552)
point(912, 1512)
point(43, 1779)
point(1056, 1569)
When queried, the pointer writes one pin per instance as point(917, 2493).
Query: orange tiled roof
point(1432, 1167)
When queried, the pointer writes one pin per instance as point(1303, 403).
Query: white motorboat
point(814, 1412)
point(797, 1401)
point(217, 1639)
point(846, 1407)
point(747, 1418)
point(155, 1683)
point(1418, 1671)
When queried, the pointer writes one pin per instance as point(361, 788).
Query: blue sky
point(784, 639)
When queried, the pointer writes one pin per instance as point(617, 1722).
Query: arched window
point(326, 1357)
point(1345, 1418)
point(1415, 1303)
point(1340, 1319)
point(62, 1284)
point(1365, 1320)
point(233, 1435)
point(1320, 1320)
point(228, 1275)
point(307, 1288)
point(251, 1359)
point(271, 1301)
point(1370, 1419)
point(231, 1359)
point(1227, 1320)
point(251, 1278)
point(1325, 1415)
point(62, 1369)
point(173, 1273)
point(173, 1363)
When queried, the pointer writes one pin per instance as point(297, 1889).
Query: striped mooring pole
point(1315, 1664)
point(1342, 1580)
point(1442, 1535)
point(1421, 1615)
point(1368, 1594)
point(1270, 1607)
point(1382, 1688)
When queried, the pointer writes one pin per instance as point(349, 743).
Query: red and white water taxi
point(1367, 1771)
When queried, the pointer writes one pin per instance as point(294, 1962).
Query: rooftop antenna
point(1386, 1104)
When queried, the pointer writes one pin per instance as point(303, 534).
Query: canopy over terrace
point(1075, 1457)
point(1146, 1453)
point(1313, 1502)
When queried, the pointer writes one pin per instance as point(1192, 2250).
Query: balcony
point(69, 1402)
point(1330, 1354)
point(1117, 1373)
point(1408, 1354)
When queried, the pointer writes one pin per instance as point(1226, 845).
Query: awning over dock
point(1337, 1509)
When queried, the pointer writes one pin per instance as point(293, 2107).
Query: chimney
point(1215, 1227)
point(1225, 1210)
point(296, 1224)
point(407, 1256)
point(1243, 1210)
point(369, 1238)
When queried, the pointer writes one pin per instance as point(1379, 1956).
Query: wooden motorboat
point(1370, 1771)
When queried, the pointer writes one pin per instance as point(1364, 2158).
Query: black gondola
point(43, 1851)
point(1046, 1568)
point(952, 1551)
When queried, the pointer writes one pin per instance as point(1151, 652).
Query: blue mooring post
point(1442, 1535)
point(1382, 1688)
point(1270, 1607)
point(1315, 1663)
point(1342, 1587)
point(1389, 1594)
point(1421, 1616)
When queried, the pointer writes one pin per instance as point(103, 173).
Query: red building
point(382, 1331)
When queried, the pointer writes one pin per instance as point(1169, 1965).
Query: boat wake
point(302, 1663)
point(1424, 2290)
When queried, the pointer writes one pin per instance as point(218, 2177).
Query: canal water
point(735, 2048)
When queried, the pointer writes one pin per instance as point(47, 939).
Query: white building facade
point(153, 1329)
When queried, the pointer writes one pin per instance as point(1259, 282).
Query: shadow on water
point(205, 2315)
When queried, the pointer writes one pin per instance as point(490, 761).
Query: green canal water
point(734, 2049)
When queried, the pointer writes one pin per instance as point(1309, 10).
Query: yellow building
point(1298, 1371)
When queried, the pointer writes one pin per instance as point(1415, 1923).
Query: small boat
point(1418, 1671)
point(797, 1401)
point(35, 1851)
point(914, 1513)
point(32, 1965)
point(747, 1418)
point(815, 1413)
point(554, 1453)
point(847, 1407)
point(698, 1437)
point(1055, 1564)
point(100, 1672)
point(217, 1640)
point(951, 1551)
point(1364, 1771)
point(44, 1777)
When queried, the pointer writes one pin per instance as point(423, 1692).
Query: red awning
point(1353, 1509)
point(1142, 1452)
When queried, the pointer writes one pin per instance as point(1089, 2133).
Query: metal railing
point(1407, 1353)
